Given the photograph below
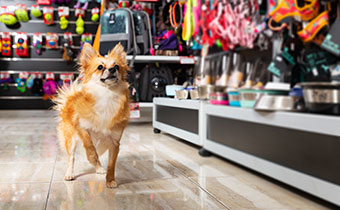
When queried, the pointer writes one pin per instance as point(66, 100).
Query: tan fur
point(94, 112)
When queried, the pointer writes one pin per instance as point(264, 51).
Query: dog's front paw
point(100, 170)
point(111, 184)
point(69, 178)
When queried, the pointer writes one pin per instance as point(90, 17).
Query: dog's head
point(110, 70)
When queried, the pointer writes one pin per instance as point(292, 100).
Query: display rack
point(299, 149)
point(181, 118)
point(51, 60)
point(47, 61)
point(163, 59)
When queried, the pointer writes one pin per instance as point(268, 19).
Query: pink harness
point(234, 23)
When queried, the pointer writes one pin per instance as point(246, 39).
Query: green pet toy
point(80, 25)
point(35, 11)
point(95, 17)
point(63, 23)
point(21, 84)
point(95, 14)
point(8, 19)
point(22, 15)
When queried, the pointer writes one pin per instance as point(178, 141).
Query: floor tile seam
point(24, 182)
point(200, 187)
point(142, 180)
point(26, 163)
point(51, 180)
point(103, 180)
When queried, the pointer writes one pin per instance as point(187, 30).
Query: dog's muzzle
point(109, 74)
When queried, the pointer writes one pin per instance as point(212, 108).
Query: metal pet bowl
point(279, 103)
point(322, 97)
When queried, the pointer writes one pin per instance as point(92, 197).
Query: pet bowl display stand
point(299, 149)
point(181, 118)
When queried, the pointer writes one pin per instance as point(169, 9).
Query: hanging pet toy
point(175, 14)
point(30, 81)
point(80, 13)
point(63, 13)
point(85, 38)
point(48, 15)
point(21, 12)
point(7, 15)
point(52, 40)
point(35, 11)
point(79, 2)
point(50, 86)
point(5, 79)
point(21, 43)
point(95, 14)
point(21, 81)
point(6, 43)
point(66, 44)
point(37, 42)
point(65, 80)
point(37, 88)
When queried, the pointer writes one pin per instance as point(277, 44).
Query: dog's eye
point(100, 67)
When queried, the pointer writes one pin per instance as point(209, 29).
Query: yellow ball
point(80, 30)
point(95, 17)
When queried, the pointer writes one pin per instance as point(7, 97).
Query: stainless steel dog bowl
point(278, 103)
point(322, 97)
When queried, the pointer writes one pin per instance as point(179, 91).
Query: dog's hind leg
point(90, 149)
point(69, 173)
point(66, 136)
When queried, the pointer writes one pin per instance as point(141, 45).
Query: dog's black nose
point(113, 69)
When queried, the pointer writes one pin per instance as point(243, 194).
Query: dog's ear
point(118, 52)
point(87, 53)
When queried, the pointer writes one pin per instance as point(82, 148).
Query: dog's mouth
point(110, 77)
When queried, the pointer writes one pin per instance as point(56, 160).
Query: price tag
point(134, 110)
point(187, 60)
point(50, 76)
point(44, 2)
point(67, 76)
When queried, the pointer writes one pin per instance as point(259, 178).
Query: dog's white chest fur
point(106, 106)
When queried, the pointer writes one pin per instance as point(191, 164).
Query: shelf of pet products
point(11, 72)
point(137, 59)
point(163, 59)
point(70, 4)
point(58, 47)
point(22, 97)
point(57, 22)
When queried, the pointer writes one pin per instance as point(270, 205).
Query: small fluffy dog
point(96, 110)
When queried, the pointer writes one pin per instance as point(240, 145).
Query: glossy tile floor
point(154, 171)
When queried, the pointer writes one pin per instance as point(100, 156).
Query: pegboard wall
point(48, 61)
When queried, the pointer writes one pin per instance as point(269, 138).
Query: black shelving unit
point(48, 61)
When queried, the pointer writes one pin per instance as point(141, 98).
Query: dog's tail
point(63, 93)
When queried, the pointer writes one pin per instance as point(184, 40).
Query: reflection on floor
point(154, 171)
